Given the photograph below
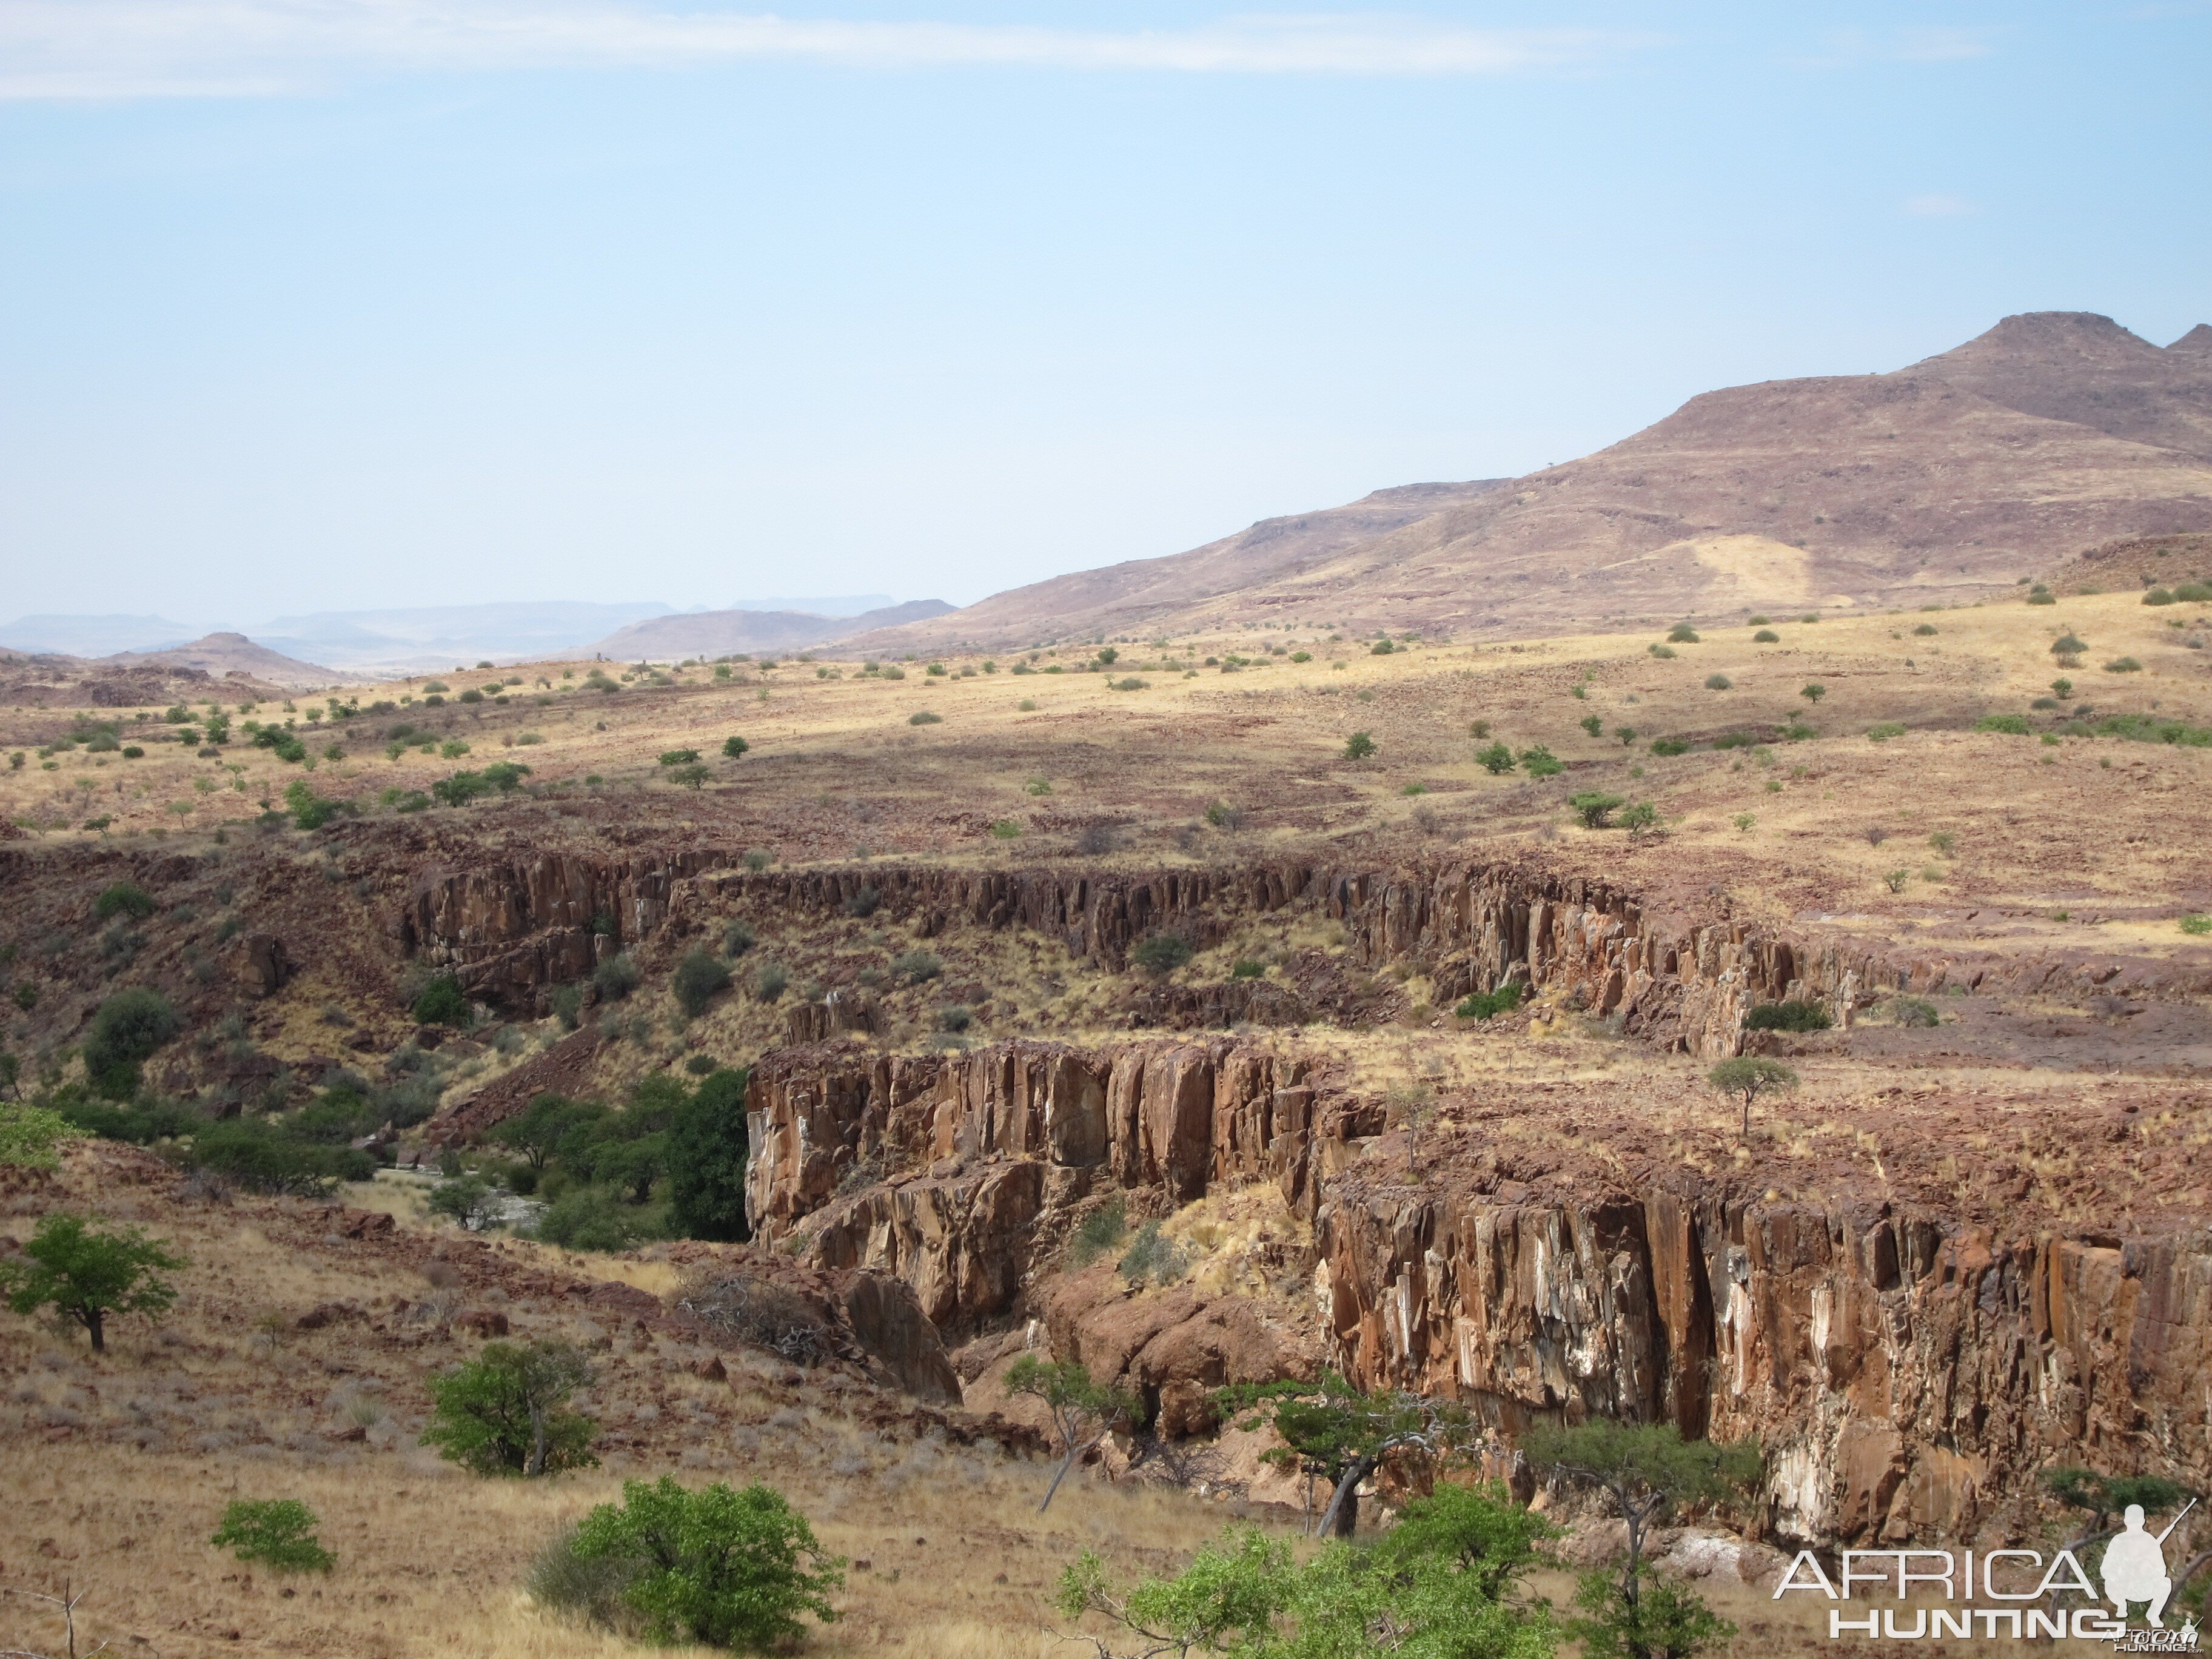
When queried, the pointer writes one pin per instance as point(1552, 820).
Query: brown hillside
point(1951, 478)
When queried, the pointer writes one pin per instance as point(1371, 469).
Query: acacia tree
point(1084, 1413)
point(505, 1411)
point(1646, 1469)
point(1331, 1430)
point(1750, 1077)
point(84, 1273)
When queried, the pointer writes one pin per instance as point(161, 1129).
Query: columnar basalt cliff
point(1907, 1373)
point(510, 930)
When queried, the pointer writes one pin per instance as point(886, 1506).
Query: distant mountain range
point(417, 639)
point(1957, 476)
point(719, 633)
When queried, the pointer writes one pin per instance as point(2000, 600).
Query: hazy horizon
point(575, 299)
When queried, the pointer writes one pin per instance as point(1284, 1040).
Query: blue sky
point(327, 304)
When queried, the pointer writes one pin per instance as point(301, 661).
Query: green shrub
point(1006, 829)
point(1161, 953)
point(1248, 969)
point(2194, 594)
point(2067, 645)
point(130, 1027)
point(924, 717)
point(1538, 762)
point(679, 756)
point(1483, 1005)
point(1663, 650)
point(1914, 1010)
point(2197, 926)
point(1153, 1258)
point(1923, 630)
point(1594, 808)
point(1719, 682)
point(2043, 596)
point(2158, 596)
point(1100, 1232)
point(737, 938)
point(615, 978)
point(441, 1002)
point(279, 1533)
point(1883, 731)
point(1682, 634)
point(122, 898)
point(1496, 759)
point(1359, 746)
point(2015, 725)
point(699, 977)
point(733, 747)
point(1591, 723)
point(1789, 1016)
point(770, 981)
point(505, 1412)
point(30, 1136)
point(954, 1017)
point(721, 1568)
point(1669, 746)
point(590, 1218)
point(1767, 636)
point(2123, 665)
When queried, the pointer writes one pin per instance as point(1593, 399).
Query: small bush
point(2043, 596)
point(122, 898)
point(1594, 808)
point(1883, 731)
point(279, 1533)
point(1102, 1230)
point(1669, 746)
point(2197, 926)
point(130, 1027)
point(615, 978)
point(441, 1002)
point(2194, 594)
point(770, 981)
point(733, 747)
point(718, 1567)
point(1767, 636)
point(2158, 596)
point(700, 977)
point(954, 1017)
point(679, 757)
point(1662, 651)
point(1538, 762)
point(1248, 969)
point(758, 859)
point(914, 966)
point(861, 901)
point(1162, 953)
point(2123, 665)
point(1914, 1010)
point(1006, 829)
point(2014, 725)
point(1682, 634)
point(1789, 1016)
point(924, 717)
point(1719, 682)
point(1496, 760)
point(1359, 746)
point(1924, 629)
point(1485, 1005)
point(2067, 645)
point(1152, 1257)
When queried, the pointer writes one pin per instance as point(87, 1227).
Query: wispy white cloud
point(96, 49)
point(1939, 207)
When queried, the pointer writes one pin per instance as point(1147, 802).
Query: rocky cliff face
point(509, 930)
point(1905, 1373)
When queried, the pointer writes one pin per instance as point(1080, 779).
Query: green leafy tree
point(1496, 760)
point(1751, 1076)
point(505, 1411)
point(729, 1568)
point(130, 1027)
point(1595, 808)
point(707, 1153)
point(1813, 692)
point(2104, 1497)
point(469, 1200)
point(1637, 818)
point(678, 757)
point(734, 748)
point(85, 1272)
point(1162, 953)
point(122, 898)
point(1330, 1430)
point(1538, 762)
point(1359, 746)
point(1646, 1469)
point(1084, 1413)
point(691, 776)
point(30, 1136)
point(279, 1533)
point(537, 1131)
point(442, 1002)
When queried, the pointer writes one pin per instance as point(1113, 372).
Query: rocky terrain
point(1970, 1244)
point(1951, 478)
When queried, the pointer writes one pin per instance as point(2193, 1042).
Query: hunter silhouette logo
point(2135, 1565)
